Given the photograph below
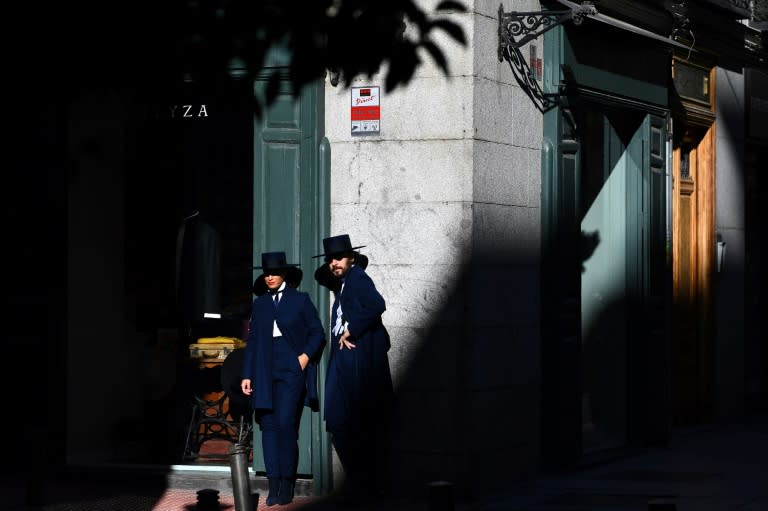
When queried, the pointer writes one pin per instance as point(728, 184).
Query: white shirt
point(340, 326)
point(275, 330)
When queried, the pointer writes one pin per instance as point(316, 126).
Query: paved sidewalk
point(709, 468)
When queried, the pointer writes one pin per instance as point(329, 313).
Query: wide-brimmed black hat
point(274, 261)
point(271, 261)
point(337, 245)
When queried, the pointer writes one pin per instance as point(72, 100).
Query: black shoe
point(286, 492)
point(274, 492)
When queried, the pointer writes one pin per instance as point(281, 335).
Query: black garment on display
point(197, 268)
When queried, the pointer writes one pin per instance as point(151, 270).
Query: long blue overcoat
point(301, 327)
point(358, 383)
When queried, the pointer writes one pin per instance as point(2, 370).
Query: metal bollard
point(207, 500)
point(241, 484)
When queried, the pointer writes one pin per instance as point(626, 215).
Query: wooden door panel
point(693, 255)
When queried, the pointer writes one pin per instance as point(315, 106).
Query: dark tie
point(275, 298)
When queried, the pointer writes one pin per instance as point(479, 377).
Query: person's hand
point(303, 360)
point(245, 386)
point(344, 341)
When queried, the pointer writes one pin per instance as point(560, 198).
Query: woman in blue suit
point(285, 341)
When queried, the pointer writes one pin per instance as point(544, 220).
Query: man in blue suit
point(358, 389)
point(285, 341)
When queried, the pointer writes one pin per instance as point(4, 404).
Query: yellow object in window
point(239, 343)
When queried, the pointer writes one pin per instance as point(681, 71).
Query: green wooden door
point(290, 200)
point(612, 221)
point(603, 272)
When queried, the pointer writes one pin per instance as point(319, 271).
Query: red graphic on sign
point(366, 113)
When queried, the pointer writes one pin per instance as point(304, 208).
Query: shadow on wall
point(476, 388)
point(468, 383)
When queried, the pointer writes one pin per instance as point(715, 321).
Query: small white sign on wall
point(366, 111)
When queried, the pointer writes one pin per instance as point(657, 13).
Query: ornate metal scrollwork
point(529, 25)
point(527, 81)
point(518, 28)
point(681, 24)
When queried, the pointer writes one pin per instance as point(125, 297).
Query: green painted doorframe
point(291, 199)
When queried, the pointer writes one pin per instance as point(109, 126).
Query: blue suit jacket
point(359, 382)
point(301, 327)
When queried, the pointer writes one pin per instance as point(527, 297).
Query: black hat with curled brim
point(337, 245)
point(276, 262)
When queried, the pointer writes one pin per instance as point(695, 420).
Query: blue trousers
point(280, 426)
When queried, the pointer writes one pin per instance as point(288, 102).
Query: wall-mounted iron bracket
point(518, 28)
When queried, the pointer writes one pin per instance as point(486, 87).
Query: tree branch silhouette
point(159, 45)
